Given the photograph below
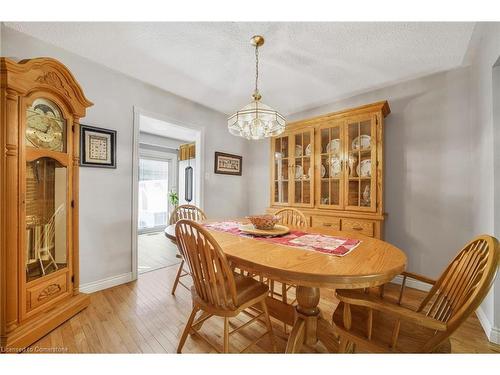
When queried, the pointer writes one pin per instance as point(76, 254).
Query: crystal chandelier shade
point(256, 120)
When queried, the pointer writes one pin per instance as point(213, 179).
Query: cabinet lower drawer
point(326, 221)
point(358, 226)
point(43, 293)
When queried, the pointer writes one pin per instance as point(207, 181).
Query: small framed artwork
point(227, 164)
point(97, 147)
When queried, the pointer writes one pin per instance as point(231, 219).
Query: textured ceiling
point(303, 64)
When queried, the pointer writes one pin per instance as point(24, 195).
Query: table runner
point(322, 243)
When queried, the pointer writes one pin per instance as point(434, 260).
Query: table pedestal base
point(310, 327)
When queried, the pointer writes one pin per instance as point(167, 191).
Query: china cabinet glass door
point(281, 170)
point(361, 159)
point(302, 170)
point(46, 190)
point(330, 165)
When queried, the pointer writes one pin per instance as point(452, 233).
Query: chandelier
point(256, 120)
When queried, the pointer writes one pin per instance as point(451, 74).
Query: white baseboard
point(493, 333)
point(106, 283)
point(411, 283)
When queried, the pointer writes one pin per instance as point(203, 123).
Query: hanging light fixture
point(256, 120)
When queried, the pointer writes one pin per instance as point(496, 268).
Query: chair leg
point(269, 326)
point(346, 346)
point(178, 276)
point(284, 295)
point(342, 344)
point(351, 347)
point(226, 335)
point(187, 329)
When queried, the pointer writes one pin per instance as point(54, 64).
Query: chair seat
point(248, 292)
point(247, 288)
point(412, 337)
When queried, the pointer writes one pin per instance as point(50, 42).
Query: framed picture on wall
point(97, 147)
point(227, 164)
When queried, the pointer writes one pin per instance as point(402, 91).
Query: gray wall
point(106, 194)
point(428, 160)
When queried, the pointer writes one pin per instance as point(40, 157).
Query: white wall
point(106, 194)
point(156, 140)
point(484, 55)
point(428, 160)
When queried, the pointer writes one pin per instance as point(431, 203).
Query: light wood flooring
point(155, 251)
point(143, 317)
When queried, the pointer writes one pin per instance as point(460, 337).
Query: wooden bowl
point(263, 222)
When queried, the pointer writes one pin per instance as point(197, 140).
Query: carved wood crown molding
point(382, 106)
point(47, 72)
point(51, 78)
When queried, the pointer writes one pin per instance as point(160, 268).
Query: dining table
point(372, 263)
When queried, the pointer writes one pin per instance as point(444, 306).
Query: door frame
point(184, 132)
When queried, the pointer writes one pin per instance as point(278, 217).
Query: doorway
point(156, 176)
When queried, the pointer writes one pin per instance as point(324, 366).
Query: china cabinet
point(41, 104)
point(331, 168)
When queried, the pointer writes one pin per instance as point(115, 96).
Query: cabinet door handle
point(357, 228)
point(327, 224)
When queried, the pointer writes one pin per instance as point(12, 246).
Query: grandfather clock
point(40, 107)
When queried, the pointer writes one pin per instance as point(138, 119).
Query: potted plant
point(173, 198)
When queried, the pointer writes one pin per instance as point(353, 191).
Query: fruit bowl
point(264, 222)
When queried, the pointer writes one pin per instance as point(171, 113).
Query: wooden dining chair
point(293, 217)
point(375, 322)
point(190, 212)
point(217, 290)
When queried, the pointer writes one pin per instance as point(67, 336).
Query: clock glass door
point(46, 217)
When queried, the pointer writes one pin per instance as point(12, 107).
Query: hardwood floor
point(155, 251)
point(143, 317)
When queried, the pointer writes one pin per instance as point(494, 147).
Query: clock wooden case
point(41, 104)
point(330, 167)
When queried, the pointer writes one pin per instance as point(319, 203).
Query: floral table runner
point(332, 245)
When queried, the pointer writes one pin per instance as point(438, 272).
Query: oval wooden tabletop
point(371, 263)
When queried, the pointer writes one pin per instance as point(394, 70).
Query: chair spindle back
point(291, 216)
point(187, 211)
point(210, 270)
point(463, 285)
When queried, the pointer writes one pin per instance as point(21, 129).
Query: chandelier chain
point(256, 68)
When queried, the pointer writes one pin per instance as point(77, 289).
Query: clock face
point(45, 126)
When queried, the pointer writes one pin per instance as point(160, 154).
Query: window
point(153, 193)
